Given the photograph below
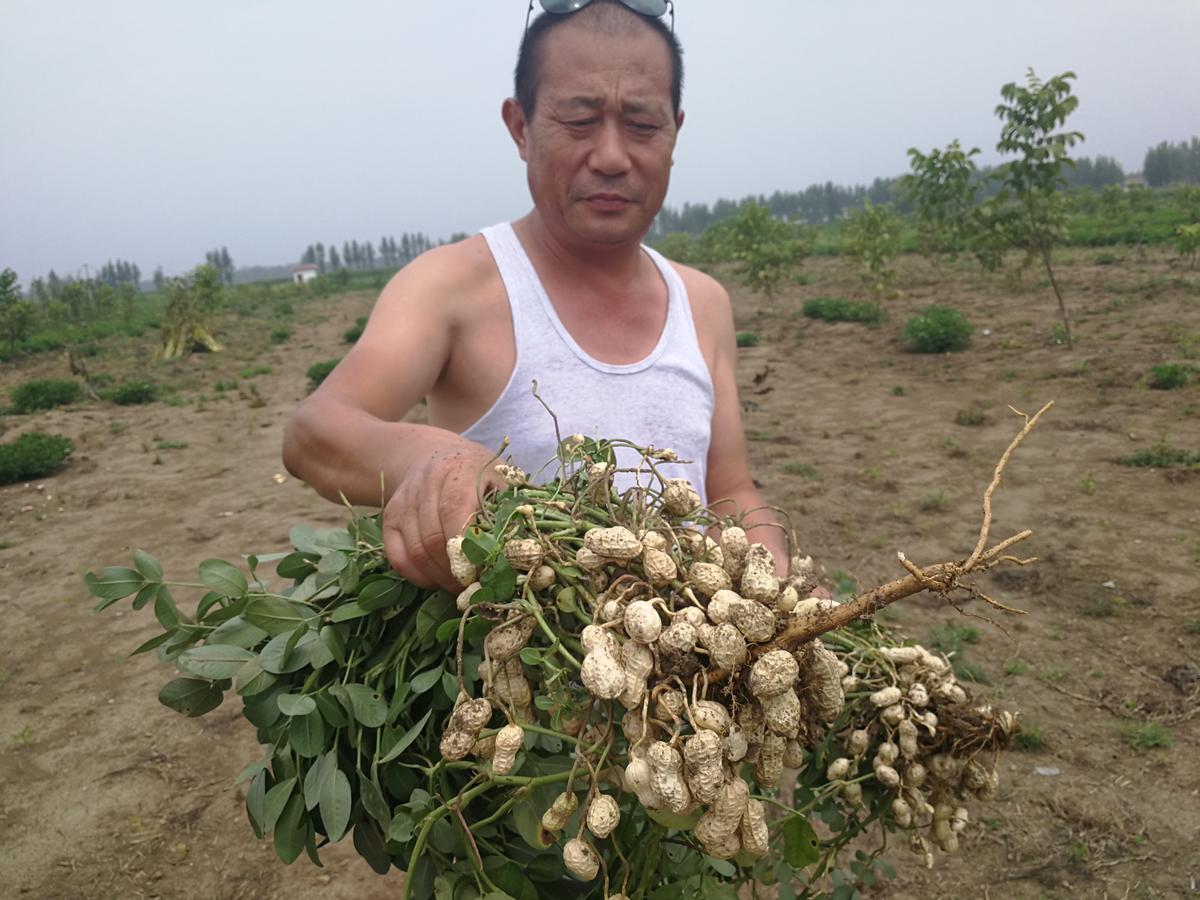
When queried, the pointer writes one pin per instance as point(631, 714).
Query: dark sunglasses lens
point(645, 7)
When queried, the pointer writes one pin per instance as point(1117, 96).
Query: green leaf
point(274, 801)
point(252, 679)
point(261, 710)
point(402, 826)
point(331, 710)
point(291, 831)
point(112, 584)
point(336, 801)
point(335, 643)
point(372, 800)
point(405, 739)
point(371, 846)
point(304, 539)
point(255, 803)
point(275, 657)
point(254, 768)
point(362, 702)
point(721, 866)
point(190, 696)
point(274, 615)
point(238, 632)
point(423, 681)
point(297, 565)
point(307, 734)
point(155, 641)
point(312, 779)
point(422, 876)
point(164, 608)
point(333, 563)
point(800, 845)
point(295, 704)
point(674, 820)
point(213, 660)
point(478, 545)
point(348, 611)
point(147, 566)
point(145, 594)
point(446, 630)
point(225, 579)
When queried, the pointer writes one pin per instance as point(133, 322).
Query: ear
point(679, 121)
point(514, 121)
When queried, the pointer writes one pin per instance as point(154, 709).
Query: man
point(622, 343)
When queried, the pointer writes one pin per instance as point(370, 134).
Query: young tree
point(768, 250)
point(193, 303)
point(16, 315)
point(160, 279)
point(942, 188)
point(1030, 115)
point(873, 240)
point(335, 261)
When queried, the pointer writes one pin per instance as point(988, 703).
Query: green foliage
point(1030, 739)
point(33, 455)
point(17, 317)
point(1147, 736)
point(1030, 115)
point(1187, 242)
point(873, 241)
point(939, 329)
point(319, 371)
point(1162, 456)
point(678, 246)
point(45, 393)
point(747, 338)
point(280, 335)
point(352, 334)
point(768, 251)
point(970, 417)
point(1169, 376)
point(838, 309)
point(942, 189)
point(133, 393)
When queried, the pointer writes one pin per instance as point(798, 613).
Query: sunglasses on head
point(654, 8)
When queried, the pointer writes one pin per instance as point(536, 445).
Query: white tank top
point(665, 400)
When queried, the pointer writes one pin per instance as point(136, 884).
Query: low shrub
point(838, 309)
point(352, 334)
point(280, 335)
point(133, 393)
point(939, 329)
point(319, 371)
point(45, 393)
point(33, 455)
point(747, 339)
point(970, 417)
point(1161, 456)
point(1169, 376)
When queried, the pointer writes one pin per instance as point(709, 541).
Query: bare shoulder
point(444, 283)
point(710, 304)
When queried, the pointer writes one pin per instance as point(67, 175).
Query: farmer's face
point(598, 146)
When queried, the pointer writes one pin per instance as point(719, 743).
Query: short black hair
point(529, 57)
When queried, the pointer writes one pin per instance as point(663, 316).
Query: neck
point(596, 264)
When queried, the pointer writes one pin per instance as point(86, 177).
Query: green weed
point(802, 470)
point(838, 309)
point(747, 339)
point(1147, 736)
point(1161, 456)
point(1030, 738)
point(1169, 376)
point(969, 417)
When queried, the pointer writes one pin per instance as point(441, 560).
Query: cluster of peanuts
point(668, 605)
point(931, 775)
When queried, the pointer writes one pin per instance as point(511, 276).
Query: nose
point(609, 155)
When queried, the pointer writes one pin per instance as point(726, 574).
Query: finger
point(396, 547)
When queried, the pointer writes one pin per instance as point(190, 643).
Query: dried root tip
point(581, 859)
point(461, 568)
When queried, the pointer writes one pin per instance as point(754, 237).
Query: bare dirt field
point(105, 793)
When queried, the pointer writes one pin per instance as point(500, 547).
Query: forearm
point(343, 451)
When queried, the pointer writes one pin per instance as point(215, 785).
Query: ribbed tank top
point(664, 400)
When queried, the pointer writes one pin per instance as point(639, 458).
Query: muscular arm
point(347, 437)
point(729, 476)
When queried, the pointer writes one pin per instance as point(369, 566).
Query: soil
point(106, 793)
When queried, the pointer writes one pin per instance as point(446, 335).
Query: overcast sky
point(152, 131)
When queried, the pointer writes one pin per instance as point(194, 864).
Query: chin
point(615, 230)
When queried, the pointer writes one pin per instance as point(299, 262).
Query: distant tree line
point(391, 253)
point(820, 204)
point(120, 272)
point(222, 262)
point(1170, 163)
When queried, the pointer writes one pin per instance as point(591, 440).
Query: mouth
point(604, 200)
